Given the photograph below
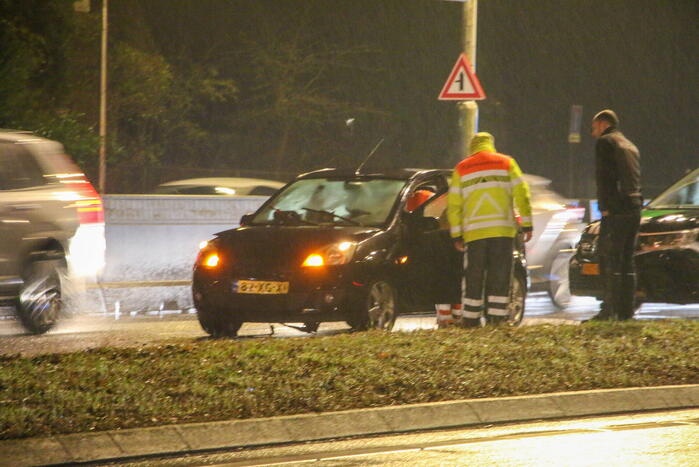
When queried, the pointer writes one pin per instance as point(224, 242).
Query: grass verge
point(235, 379)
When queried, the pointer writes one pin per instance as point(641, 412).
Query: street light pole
point(468, 110)
point(103, 101)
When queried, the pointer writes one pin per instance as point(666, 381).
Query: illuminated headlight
point(332, 255)
point(664, 240)
point(211, 260)
point(208, 256)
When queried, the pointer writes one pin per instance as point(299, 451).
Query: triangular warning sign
point(463, 84)
point(487, 208)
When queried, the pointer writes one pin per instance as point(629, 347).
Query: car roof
point(400, 174)
point(225, 181)
point(20, 136)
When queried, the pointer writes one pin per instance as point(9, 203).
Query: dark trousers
point(617, 243)
point(487, 267)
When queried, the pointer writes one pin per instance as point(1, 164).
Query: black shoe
point(470, 323)
point(605, 314)
point(626, 297)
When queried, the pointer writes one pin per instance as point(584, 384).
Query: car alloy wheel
point(381, 306)
point(39, 303)
point(515, 309)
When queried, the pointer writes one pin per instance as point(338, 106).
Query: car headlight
point(588, 245)
point(208, 257)
point(211, 260)
point(331, 255)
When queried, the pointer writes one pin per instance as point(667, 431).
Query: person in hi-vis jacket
point(485, 189)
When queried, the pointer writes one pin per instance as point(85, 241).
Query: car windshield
point(683, 194)
point(324, 201)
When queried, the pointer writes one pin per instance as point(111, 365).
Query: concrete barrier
point(152, 241)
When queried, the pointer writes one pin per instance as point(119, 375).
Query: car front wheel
point(212, 320)
point(379, 310)
point(518, 292)
point(217, 326)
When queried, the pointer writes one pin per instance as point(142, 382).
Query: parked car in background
point(51, 228)
point(223, 186)
point(557, 228)
point(337, 245)
point(667, 253)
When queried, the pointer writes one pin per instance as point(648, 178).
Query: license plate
point(590, 269)
point(261, 287)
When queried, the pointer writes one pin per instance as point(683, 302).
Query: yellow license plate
point(263, 287)
point(590, 269)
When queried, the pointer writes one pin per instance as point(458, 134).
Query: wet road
point(668, 438)
point(93, 330)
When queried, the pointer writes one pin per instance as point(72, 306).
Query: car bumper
point(582, 278)
point(316, 296)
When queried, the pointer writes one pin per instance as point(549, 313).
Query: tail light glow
point(86, 200)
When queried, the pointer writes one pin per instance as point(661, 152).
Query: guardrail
point(152, 241)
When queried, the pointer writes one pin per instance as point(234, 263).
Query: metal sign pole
point(468, 110)
point(103, 102)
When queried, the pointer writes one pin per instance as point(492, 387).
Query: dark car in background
point(51, 228)
point(336, 245)
point(667, 253)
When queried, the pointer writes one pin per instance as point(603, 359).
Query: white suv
point(51, 228)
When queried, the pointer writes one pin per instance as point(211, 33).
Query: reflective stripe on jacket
point(480, 202)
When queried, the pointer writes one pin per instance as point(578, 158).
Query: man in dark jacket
point(618, 174)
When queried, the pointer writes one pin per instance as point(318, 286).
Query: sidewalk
point(171, 439)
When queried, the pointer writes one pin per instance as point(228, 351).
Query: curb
point(172, 439)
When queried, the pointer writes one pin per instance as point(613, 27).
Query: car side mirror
point(420, 222)
point(428, 224)
point(246, 219)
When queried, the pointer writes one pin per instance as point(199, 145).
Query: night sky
point(640, 58)
point(535, 59)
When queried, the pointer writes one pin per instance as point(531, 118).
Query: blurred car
point(224, 186)
point(51, 228)
point(667, 253)
point(557, 228)
point(335, 245)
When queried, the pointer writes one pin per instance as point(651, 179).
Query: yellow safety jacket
point(481, 194)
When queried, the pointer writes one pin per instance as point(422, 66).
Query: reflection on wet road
point(96, 330)
point(668, 438)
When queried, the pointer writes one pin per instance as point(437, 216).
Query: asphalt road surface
point(669, 438)
point(85, 331)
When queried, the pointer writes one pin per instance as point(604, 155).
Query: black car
point(336, 245)
point(667, 253)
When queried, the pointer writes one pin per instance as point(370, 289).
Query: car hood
point(284, 246)
point(669, 220)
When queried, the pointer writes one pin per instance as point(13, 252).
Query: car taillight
point(88, 202)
